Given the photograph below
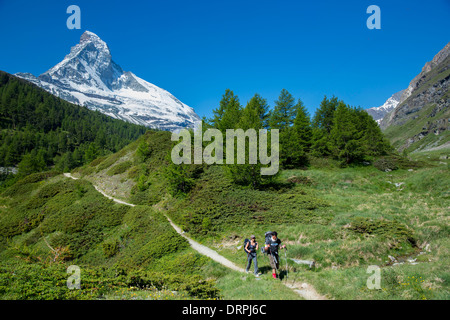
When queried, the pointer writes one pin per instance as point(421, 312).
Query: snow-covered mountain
point(378, 113)
point(89, 77)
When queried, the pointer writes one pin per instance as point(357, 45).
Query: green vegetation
point(337, 130)
point(343, 218)
point(399, 134)
point(424, 121)
point(120, 168)
point(38, 130)
point(216, 206)
point(341, 200)
point(49, 222)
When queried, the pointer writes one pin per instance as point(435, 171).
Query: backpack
point(267, 237)
point(245, 243)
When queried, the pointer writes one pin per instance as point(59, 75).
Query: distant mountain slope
point(378, 113)
point(89, 77)
point(421, 119)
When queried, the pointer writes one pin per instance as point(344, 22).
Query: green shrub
point(215, 205)
point(142, 183)
point(194, 285)
point(143, 151)
point(39, 281)
point(110, 248)
point(97, 161)
point(36, 177)
point(383, 228)
point(184, 263)
point(385, 164)
point(28, 183)
point(49, 191)
point(119, 168)
point(394, 162)
point(161, 245)
point(133, 172)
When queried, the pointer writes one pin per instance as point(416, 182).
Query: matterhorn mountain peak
point(88, 61)
point(89, 36)
point(91, 39)
point(88, 76)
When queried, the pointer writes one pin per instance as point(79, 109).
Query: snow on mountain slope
point(378, 113)
point(88, 76)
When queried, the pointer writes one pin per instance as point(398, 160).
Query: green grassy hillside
point(398, 135)
point(345, 219)
point(48, 222)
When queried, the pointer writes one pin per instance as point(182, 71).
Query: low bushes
point(195, 285)
point(394, 162)
point(119, 168)
point(216, 205)
point(382, 228)
point(38, 281)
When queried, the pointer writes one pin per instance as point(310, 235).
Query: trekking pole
point(247, 262)
point(285, 257)
point(295, 278)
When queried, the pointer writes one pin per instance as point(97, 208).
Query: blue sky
point(197, 49)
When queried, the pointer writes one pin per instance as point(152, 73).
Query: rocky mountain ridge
point(424, 108)
point(89, 77)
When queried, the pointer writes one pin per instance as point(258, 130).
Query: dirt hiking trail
point(303, 289)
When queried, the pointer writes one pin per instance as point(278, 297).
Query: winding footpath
point(304, 290)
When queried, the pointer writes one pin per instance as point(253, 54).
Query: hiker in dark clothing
point(251, 248)
point(272, 246)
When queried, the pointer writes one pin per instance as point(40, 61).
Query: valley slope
point(420, 121)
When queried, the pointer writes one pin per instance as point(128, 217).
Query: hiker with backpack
point(271, 247)
point(250, 247)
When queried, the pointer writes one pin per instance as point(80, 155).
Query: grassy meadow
point(345, 219)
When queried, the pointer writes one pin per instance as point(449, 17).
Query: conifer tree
point(322, 124)
point(324, 116)
point(143, 151)
point(91, 153)
point(283, 113)
point(295, 141)
point(229, 112)
point(253, 117)
point(180, 177)
point(262, 109)
point(31, 162)
point(345, 138)
point(302, 127)
point(374, 141)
